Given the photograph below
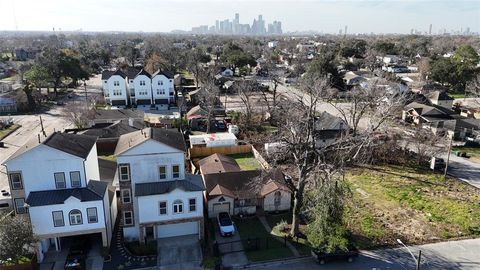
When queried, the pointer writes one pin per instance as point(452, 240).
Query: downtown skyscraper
point(234, 27)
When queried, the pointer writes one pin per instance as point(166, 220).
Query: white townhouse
point(115, 88)
point(158, 199)
point(141, 90)
point(163, 90)
point(55, 183)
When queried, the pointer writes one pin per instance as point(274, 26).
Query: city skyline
point(234, 27)
point(325, 16)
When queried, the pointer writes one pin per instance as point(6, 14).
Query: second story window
point(177, 207)
point(124, 171)
point(75, 217)
point(16, 180)
point(162, 170)
point(58, 219)
point(75, 179)
point(116, 83)
point(142, 83)
point(175, 171)
point(60, 180)
point(163, 208)
point(126, 198)
point(92, 215)
point(127, 218)
point(192, 205)
point(20, 206)
point(160, 82)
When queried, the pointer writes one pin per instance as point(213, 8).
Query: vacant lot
point(415, 206)
point(246, 161)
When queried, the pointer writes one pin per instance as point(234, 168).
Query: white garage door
point(220, 207)
point(171, 230)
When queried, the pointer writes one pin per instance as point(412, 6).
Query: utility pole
point(41, 125)
point(419, 259)
point(448, 158)
point(86, 99)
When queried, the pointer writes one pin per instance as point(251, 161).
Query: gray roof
point(166, 73)
point(328, 121)
point(190, 183)
point(93, 192)
point(172, 138)
point(114, 130)
point(144, 72)
point(119, 114)
point(131, 72)
point(106, 74)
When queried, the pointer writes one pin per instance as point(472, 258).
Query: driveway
point(179, 253)
point(233, 254)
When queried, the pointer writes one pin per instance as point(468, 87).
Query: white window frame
point(62, 219)
point(194, 205)
point(165, 208)
point(125, 219)
point(173, 172)
point(160, 173)
point(79, 179)
point(77, 217)
point(177, 205)
point(122, 193)
point(20, 180)
point(121, 174)
point(91, 215)
point(20, 207)
point(57, 183)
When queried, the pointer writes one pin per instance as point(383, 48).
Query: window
point(127, 218)
point(75, 217)
point(116, 83)
point(160, 91)
point(16, 180)
point(175, 171)
point(163, 208)
point(58, 219)
point(20, 206)
point(192, 205)
point(75, 179)
point(117, 92)
point(143, 92)
point(92, 215)
point(160, 82)
point(126, 196)
point(142, 82)
point(162, 170)
point(105, 81)
point(124, 172)
point(60, 180)
point(177, 207)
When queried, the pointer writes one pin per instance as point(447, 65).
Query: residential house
point(112, 116)
point(115, 88)
point(163, 90)
point(141, 90)
point(158, 198)
point(7, 105)
point(229, 189)
point(25, 54)
point(352, 79)
point(440, 98)
point(272, 44)
point(55, 182)
point(328, 128)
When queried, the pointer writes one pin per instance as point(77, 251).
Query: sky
point(327, 16)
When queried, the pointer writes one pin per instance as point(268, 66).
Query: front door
point(149, 232)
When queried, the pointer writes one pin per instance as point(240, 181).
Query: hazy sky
point(329, 16)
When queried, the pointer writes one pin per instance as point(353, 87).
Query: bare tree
point(270, 95)
point(245, 90)
point(77, 114)
point(208, 98)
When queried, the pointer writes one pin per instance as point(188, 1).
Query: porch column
point(57, 243)
point(141, 234)
point(104, 238)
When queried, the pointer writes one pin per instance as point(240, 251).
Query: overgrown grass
point(246, 161)
point(268, 247)
point(401, 202)
point(302, 245)
point(5, 132)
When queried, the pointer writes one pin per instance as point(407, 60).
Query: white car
point(225, 224)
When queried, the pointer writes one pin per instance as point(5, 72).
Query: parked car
point(437, 164)
point(225, 224)
point(220, 125)
point(78, 253)
point(322, 256)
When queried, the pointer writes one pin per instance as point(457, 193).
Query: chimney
point(130, 121)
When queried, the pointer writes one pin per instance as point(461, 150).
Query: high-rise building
point(235, 27)
point(430, 30)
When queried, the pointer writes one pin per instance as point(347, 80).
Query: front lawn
point(268, 247)
point(7, 131)
point(418, 207)
point(246, 161)
point(279, 222)
point(472, 151)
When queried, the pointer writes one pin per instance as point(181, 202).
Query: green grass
point(269, 247)
point(302, 245)
point(138, 249)
point(246, 161)
point(5, 132)
point(401, 202)
point(109, 157)
point(473, 151)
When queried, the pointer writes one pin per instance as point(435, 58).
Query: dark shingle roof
point(190, 183)
point(119, 114)
point(114, 130)
point(106, 74)
point(93, 192)
point(119, 73)
point(144, 72)
point(217, 163)
point(75, 144)
point(168, 137)
point(328, 121)
point(166, 73)
point(131, 72)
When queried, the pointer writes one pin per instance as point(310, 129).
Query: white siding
point(91, 165)
point(171, 230)
point(39, 165)
point(269, 201)
point(149, 211)
point(122, 87)
point(42, 218)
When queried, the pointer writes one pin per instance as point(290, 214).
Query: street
point(462, 254)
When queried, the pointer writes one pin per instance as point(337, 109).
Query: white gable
point(151, 147)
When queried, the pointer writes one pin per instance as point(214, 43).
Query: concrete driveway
point(233, 254)
point(179, 253)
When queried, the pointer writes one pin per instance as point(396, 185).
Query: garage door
point(171, 230)
point(220, 207)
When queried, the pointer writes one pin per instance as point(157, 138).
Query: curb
point(273, 262)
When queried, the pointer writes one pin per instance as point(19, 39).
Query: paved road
point(465, 170)
point(463, 254)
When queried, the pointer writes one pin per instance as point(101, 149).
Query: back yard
point(246, 161)
point(392, 202)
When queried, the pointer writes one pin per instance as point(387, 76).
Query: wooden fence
point(225, 150)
